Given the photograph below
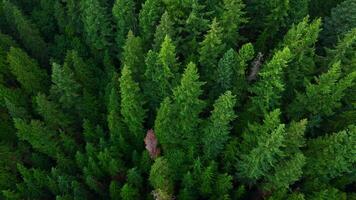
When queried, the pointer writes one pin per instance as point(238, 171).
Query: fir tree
point(269, 154)
point(161, 178)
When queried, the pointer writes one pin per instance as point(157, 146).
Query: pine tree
point(133, 55)
point(233, 17)
point(216, 132)
point(96, 22)
point(268, 90)
point(149, 17)
point(32, 78)
point(273, 21)
point(211, 48)
point(115, 120)
point(194, 28)
point(132, 106)
point(25, 31)
point(125, 18)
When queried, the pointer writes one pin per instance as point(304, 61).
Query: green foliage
point(233, 17)
point(25, 31)
point(269, 88)
point(132, 105)
point(125, 19)
point(101, 106)
point(32, 78)
point(340, 21)
point(211, 48)
point(216, 133)
point(149, 17)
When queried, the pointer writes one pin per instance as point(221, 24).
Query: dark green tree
point(133, 56)
point(164, 28)
point(149, 17)
point(216, 133)
point(233, 17)
point(211, 49)
point(32, 78)
point(132, 108)
point(96, 22)
point(125, 19)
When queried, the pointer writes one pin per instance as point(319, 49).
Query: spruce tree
point(125, 19)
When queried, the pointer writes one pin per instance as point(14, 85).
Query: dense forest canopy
point(178, 99)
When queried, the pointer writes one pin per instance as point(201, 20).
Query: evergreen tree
point(161, 179)
point(211, 49)
point(167, 57)
point(300, 39)
point(164, 28)
point(270, 152)
point(133, 55)
point(39, 136)
point(268, 90)
point(329, 88)
point(331, 156)
point(216, 132)
point(32, 78)
point(132, 106)
point(125, 18)
point(96, 22)
point(149, 17)
point(233, 17)
point(25, 31)
point(339, 22)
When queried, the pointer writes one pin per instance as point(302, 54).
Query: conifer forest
point(177, 99)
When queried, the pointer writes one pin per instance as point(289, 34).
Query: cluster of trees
point(168, 99)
